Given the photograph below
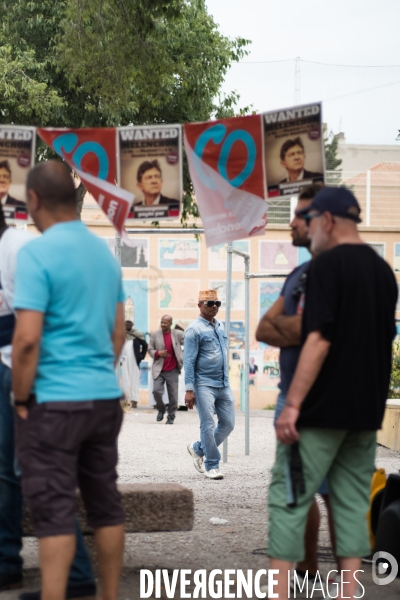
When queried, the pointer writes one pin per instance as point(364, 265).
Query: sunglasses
point(210, 303)
point(308, 218)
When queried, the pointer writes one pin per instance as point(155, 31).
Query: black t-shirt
point(351, 296)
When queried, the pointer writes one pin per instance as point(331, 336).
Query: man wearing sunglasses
point(207, 384)
point(337, 397)
point(281, 327)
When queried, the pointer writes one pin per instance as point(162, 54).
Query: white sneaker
point(197, 460)
point(214, 474)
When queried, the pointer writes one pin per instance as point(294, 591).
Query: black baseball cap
point(339, 201)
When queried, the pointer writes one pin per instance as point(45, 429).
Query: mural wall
point(217, 257)
point(136, 303)
point(163, 275)
point(136, 256)
point(237, 293)
point(179, 254)
point(180, 294)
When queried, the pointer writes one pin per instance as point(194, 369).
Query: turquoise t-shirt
point(70, 275)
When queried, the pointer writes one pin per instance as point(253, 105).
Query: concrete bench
point(389, 435)
point(147, 507)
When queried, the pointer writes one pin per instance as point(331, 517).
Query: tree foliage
point(332, 162)
point(394, 387)
point(93, 63)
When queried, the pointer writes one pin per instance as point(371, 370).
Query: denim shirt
point(205, 354)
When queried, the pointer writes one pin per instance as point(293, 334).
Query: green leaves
point(394, 387)
point(94, 63)
point(24, 99)
point(331, 149)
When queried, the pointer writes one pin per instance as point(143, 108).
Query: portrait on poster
point(17, 157)
point(150, 166)
point(293, 149)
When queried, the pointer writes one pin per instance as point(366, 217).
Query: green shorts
point(347, 458)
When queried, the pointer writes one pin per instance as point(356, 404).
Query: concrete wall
point(389, 435)
point(360, 157)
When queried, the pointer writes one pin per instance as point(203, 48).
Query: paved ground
point(154, 452)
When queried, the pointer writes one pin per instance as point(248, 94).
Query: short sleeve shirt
point(351, 296)
point(69, 274)
point(292, 296)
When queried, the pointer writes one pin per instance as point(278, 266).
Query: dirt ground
point(154, 452)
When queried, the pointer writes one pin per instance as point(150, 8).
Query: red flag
point(227, 169)
point(91, 153)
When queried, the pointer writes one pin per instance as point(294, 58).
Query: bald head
point(52, 183)
point(327, 231)
point(166, 322)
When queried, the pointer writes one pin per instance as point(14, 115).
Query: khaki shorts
point(347, 459)
point(65, 445)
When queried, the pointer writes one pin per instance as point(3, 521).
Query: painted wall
point(173, 270)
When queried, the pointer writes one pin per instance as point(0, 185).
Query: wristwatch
point(15, 402)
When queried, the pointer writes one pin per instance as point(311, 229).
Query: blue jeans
point(11, 499)
point(210, 400)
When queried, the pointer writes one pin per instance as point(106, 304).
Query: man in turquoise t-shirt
point(70, 329)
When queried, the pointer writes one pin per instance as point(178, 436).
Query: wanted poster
point(17, 157)
point(150, 166)
point(293, 149)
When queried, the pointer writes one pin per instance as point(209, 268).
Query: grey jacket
point(157, 343)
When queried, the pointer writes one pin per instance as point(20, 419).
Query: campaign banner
point(113, 201)
point(226, 163)
point(17, 157)
point(91, 153)
point(294, 149)
point(91, 150)
point(150, 166)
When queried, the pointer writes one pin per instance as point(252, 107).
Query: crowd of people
point(63, 335)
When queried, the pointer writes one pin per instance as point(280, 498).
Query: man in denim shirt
point(207, 384)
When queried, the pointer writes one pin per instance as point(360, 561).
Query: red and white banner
point(114, 201)
point(90, 150)
point(91, 153)
point(227, 169)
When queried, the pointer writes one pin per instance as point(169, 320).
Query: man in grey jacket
point(165, 348)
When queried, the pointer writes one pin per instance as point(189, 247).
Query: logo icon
point(384, 563)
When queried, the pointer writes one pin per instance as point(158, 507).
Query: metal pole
point(293, 204)
point(368, 200)
point(247, 356)
point(174, 230)
point(118, 248)
point(297, 81)
point(228, 297)
point(267, 275)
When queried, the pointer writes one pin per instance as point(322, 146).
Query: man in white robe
point(133, 353)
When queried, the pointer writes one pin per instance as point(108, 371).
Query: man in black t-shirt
point(336, 400)
point(281, 327)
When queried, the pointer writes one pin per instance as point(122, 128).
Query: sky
point(349, 54)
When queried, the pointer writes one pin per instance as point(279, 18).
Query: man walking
point(207, 384)
point(81, 579)
point(336, 400)
point(68, 335)
point(165, 348)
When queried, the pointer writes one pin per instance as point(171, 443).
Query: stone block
point(147, 507)
point(389, 435)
